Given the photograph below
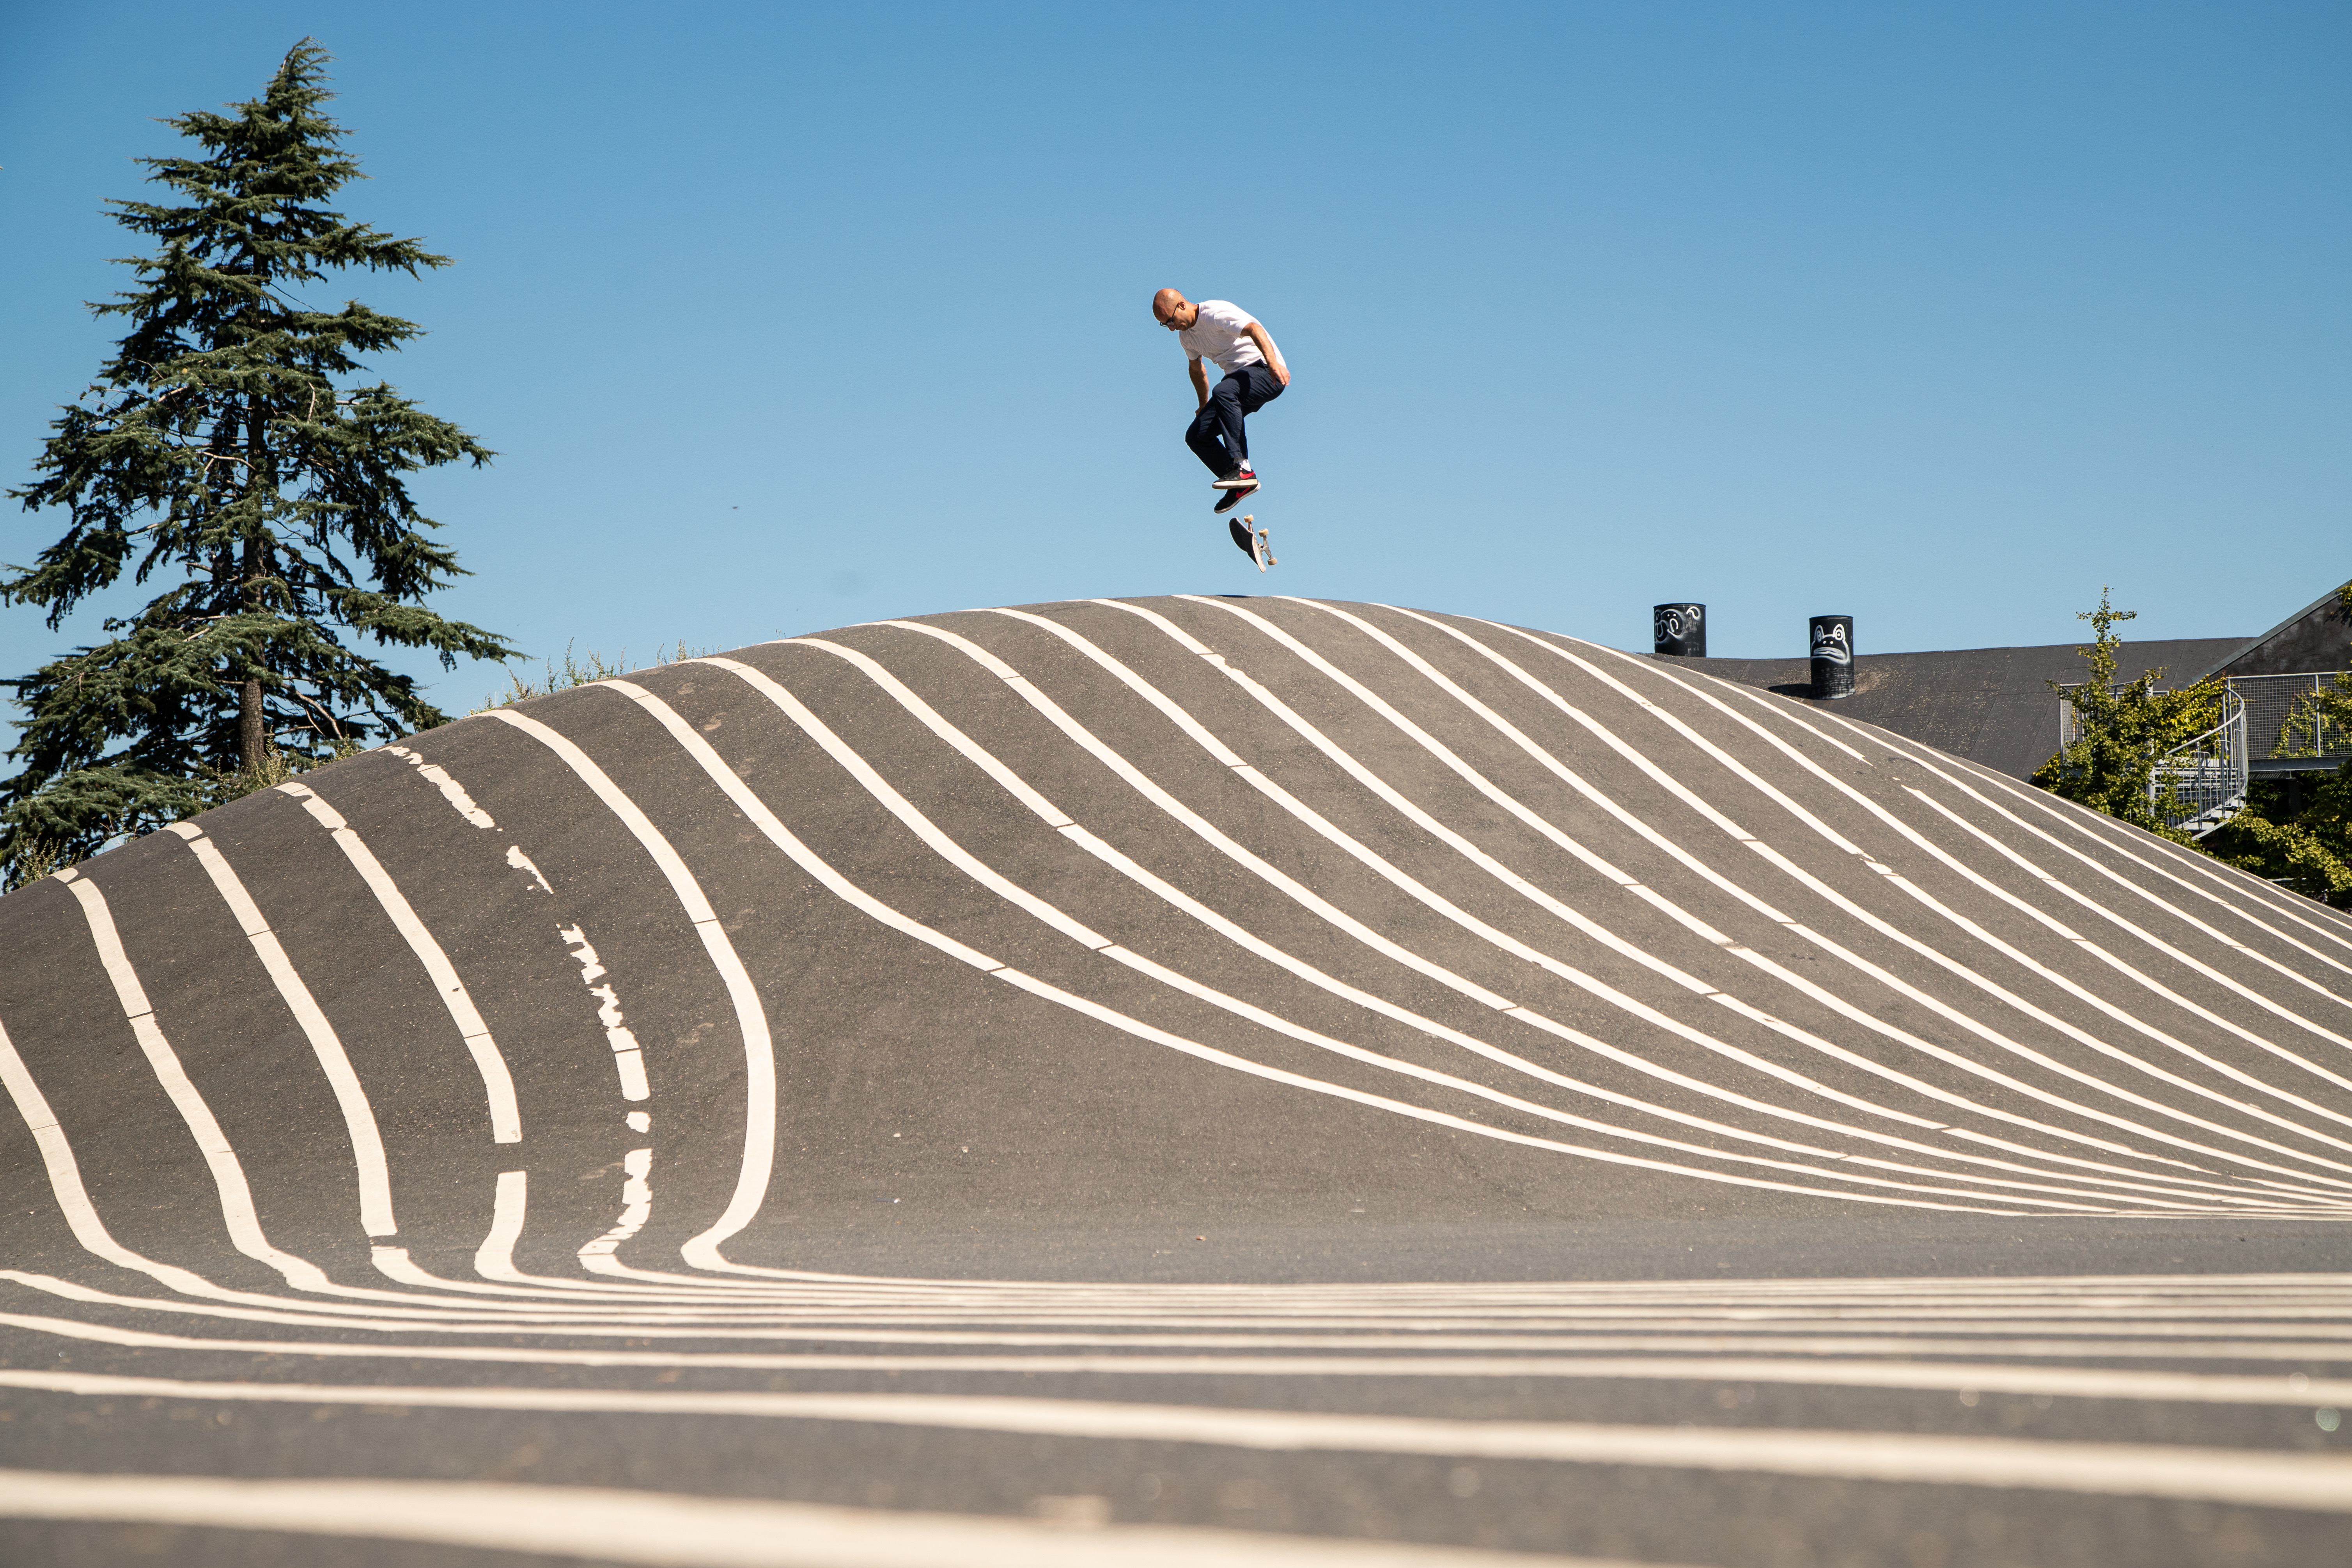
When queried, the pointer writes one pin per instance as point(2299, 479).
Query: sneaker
point(1241, 478)
point(1236, 491)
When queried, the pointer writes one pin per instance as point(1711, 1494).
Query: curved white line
point(750, 1016)
point(1896, 933)
point(681, 1530)
point(350, 1095)
point(2274, 1479)
point(498, 1084)
point(762, 818)
point(944, 845)
point(236, 1197)
point(1217, 748)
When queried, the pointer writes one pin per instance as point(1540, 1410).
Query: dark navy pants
point(1216, 437)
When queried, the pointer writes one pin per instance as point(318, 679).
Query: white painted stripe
point(244, 1225)
point(1980, 981)
point(1331, 914)
point(2319, 1482)
point(689, 1530)
point(1396, 801)
point(750, 804)
point(750, 1016)
point(938, 841)
point(494, 1259)
point(1926, 757)
point(65, 1183)
point(2034, 966)
point(1948, 769)
point(1634, 1060)
point(1343, 1360)
point(977, 755)
point(451, 790)
point(351, 1096)
point(2149, 982)
point(1779, 972)
point(89, 1230)
point(2129, 844)
point(1427, 1332)
point(899, 807)
point(1201, 826)
point(498, 1084)
point(1428, 743)
point(2116, 837)
point(631, 1065)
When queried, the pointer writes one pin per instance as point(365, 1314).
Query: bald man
point(1253, 377)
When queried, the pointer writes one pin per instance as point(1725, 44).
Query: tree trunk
point(252, 731)
point(252, 738)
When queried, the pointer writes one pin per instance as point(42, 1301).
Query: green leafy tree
point(2298, 832)
point(234, 450)
point(2122, 729)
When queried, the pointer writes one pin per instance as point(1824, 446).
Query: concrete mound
point(1165, 1082)
point(1141, 917)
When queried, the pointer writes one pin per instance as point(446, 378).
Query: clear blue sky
point(787, 317)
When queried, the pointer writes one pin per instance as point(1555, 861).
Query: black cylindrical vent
point(1681, 629)
point(1833, 639)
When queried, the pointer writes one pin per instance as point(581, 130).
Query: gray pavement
point(1183, 1081)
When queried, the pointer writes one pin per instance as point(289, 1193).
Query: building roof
point(1990, 705)
point(2314, 639)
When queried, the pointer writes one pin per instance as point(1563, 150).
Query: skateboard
point(1257, 545)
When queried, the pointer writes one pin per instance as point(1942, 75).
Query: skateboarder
point(1255, 376)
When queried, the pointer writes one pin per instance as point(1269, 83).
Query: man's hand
point(1273, 356)
point(1199, 385)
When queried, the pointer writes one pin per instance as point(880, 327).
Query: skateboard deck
point(1255, 544)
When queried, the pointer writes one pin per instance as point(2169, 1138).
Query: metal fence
point(2268, 717)
point(2283, 717)
point(2206, 777)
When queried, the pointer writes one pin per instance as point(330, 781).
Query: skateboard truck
point(1261, 546)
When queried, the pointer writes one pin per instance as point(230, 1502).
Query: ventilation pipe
point(1833, 640)
point(1681, 629)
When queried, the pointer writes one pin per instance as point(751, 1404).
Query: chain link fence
point(2263, 716)
point(2283, 717)
point(2206, 777)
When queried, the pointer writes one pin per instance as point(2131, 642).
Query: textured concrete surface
point(1181, 1080)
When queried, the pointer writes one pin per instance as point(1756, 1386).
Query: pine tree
point(230, 449)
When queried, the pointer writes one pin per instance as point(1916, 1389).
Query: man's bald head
point(1172, 310)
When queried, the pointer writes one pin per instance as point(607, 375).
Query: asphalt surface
point(1186, 1080)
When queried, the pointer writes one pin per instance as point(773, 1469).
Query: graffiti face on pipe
point(1833, 643)
point(1679, 629)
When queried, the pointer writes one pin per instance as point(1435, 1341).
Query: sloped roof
point(2314, 639)
point(1990, 705)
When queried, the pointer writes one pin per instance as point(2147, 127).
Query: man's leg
point(1260, 387)
point(1202, 435)
point(1253, 387)
point(1224, 405)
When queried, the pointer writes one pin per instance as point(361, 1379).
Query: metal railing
point(2273, 717)
point(2206, 777)
point(2283, 718)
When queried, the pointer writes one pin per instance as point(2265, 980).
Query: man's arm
point(1200, 383)
point(1273, 355)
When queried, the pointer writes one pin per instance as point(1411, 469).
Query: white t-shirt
point(1219, 334)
